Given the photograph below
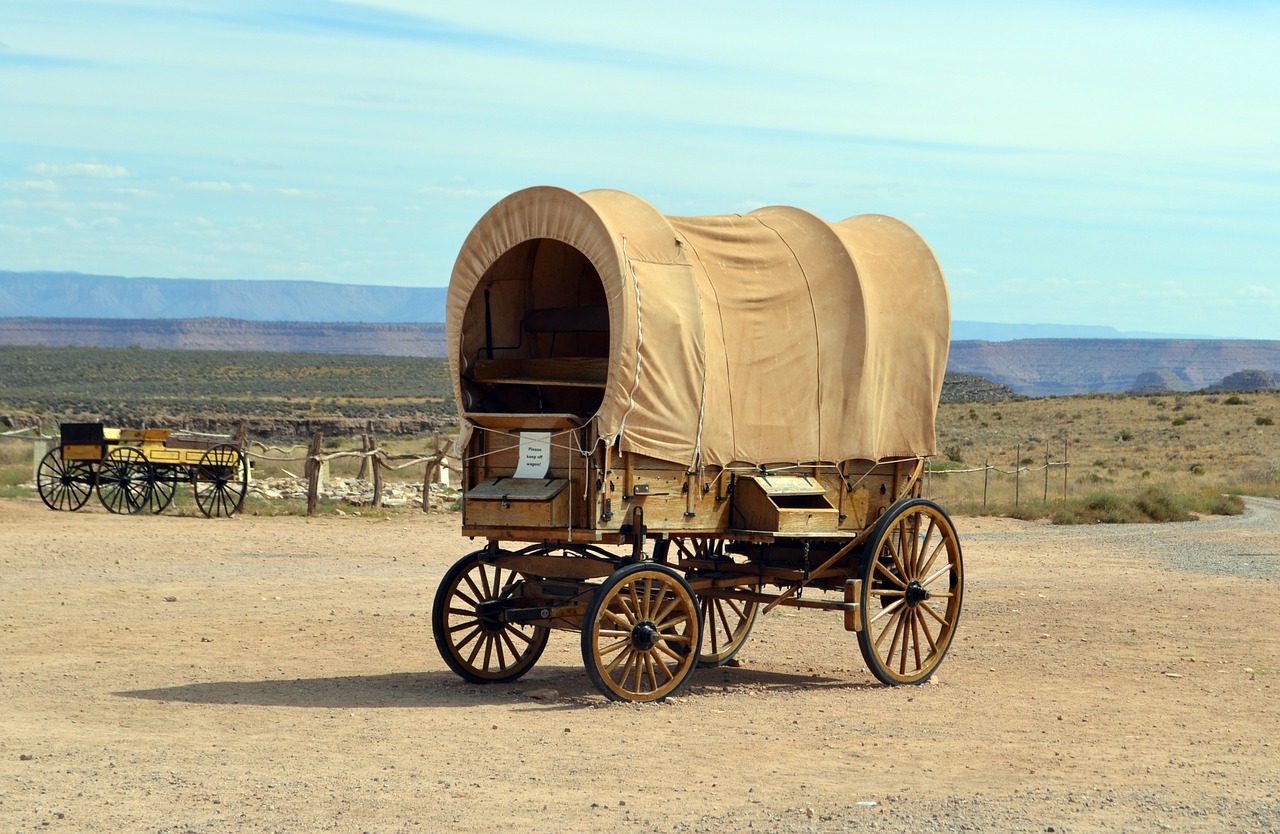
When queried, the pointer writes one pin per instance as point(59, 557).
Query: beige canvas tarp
point(765, 338)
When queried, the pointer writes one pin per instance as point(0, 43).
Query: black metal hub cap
point(645, 636)
point(916, 594)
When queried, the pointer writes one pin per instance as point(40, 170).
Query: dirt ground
point(167, 674)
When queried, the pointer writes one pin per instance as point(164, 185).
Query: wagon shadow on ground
point(572, 689)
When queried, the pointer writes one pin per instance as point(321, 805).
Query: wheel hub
point(645, 636)
point(916, 593)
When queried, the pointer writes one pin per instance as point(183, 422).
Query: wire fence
point(1025, 477)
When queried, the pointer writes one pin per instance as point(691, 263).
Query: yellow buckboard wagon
point(139, 469)
point(744, 402)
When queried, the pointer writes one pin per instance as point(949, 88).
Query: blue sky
point(1078, 163)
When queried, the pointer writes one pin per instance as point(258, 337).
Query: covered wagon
point(671, 424)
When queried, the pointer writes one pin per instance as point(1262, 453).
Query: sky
point(1088, 163)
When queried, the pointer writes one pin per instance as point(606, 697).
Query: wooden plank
point(517, 489)
point(573, 372)
point(524, 421)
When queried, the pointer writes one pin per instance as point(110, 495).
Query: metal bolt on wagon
point(139, 469)
point(744, 403)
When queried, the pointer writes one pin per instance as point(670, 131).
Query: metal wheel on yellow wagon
point(65, 484)
point(912, 590)
point(220, 481)
point(642, 633)
point(123, 485)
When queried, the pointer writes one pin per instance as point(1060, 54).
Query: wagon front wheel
point(469, 630)
point(64, 484)
point(641, 633)
point(220, 481)
point(912, 588)
point(124, 485)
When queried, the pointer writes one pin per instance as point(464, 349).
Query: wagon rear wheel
point(726, 623)
point(220, 481)
point(641, 633)
point(124, 485)
point(912, 588)
point(64, 484)
point(164, 483)
point(470, 635)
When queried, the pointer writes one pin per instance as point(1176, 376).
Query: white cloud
point(221, 186)
point(78, 169)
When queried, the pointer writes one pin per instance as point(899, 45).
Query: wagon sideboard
point(606, 495)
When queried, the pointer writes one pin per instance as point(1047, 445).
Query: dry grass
point(1152, 457)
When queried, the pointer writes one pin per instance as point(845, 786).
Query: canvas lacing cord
point(506, 433)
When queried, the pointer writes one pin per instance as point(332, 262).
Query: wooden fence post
point(364, 458)
point(377, 471)
point(1017, 472)
point(313, 473)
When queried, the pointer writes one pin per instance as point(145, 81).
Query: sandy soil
point(166, 674)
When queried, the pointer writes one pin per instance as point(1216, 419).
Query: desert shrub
point(1106, 508)
point(1125, 435)
point(1219, 504)
point(1160, 504)
point(1263, 421)
point(1233, 400)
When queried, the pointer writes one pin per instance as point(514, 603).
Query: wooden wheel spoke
point(670, 652)
point(473, 622)
point(935, 576)
point(929, 563)
point(889, 610)
point(626, 622)
point(668, 615)
point(623, 646)
point(942, 621)
point(476, 590)
point(882, 572)
point(924, 627)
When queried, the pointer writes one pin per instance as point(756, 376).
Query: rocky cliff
point(1040, 367)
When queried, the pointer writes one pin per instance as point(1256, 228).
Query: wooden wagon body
point(744, 403)
point(133, 470)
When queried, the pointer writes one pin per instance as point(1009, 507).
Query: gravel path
point(1246, 546)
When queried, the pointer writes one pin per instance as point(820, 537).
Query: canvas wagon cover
point(765, 338)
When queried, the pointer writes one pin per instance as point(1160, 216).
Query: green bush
point(1264, 421)
point(1159, 504)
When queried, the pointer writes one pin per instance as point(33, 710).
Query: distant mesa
point(1249, 380)
point(1158, 382)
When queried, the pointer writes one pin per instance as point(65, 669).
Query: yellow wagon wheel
point(220, 481)
point(123, 484)
point(912, 588)
point(726, 623)
point(469, 630)
point(641, 633)
point(64, 484)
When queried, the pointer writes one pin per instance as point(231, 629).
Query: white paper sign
point(535, 454)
